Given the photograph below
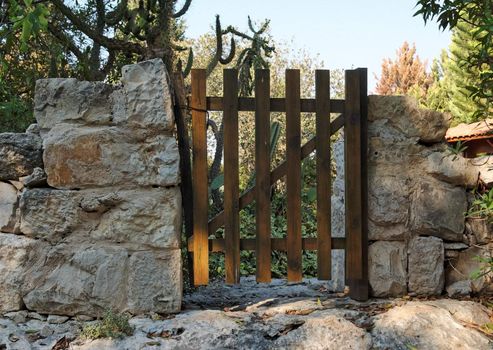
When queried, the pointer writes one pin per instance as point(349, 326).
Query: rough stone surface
point(145, 216)
point(86, 157)
point(438, 209)
point(481, 229)
point(108, 276)
point(325, 332)
point(459, 288)
point(107, 233)
point(463, 268)
point(70, 101)
point(143, 101)
point(36, 179)
point(303, 323)
point(426, 266)
point(405, 115)
point(451, 168)
point(387, 273)
point(388, 207)
point(430, 326)
point(55, 319)
point(19, 155)
point(14, 254)
point(484, 165)
point(148, 98)
point(8, 207)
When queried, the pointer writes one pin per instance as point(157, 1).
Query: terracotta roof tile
point(478, 130)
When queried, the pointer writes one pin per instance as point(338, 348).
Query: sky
point(346, 33)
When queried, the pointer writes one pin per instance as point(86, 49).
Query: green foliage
point(112, 325)
point(485, 269)
point(473, 19)
point(456, 149)
point(482, 206)
point(15, 112)
point(453, 78)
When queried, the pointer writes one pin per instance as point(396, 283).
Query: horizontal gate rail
point(247, 104)
point(217, 245)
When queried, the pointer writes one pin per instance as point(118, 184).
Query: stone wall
point(420, 242)
point(90, 207)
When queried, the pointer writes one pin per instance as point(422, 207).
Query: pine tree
point(459, 77)
point(406, 72)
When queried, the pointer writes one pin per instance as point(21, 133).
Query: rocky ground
point(300, 316)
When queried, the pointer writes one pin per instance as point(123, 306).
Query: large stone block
point(143, 101)
point(404, 114)
point(437, 209)
point(8, 207)
point(48, 214)
point(83, 157)
point(14, 253)
point(72, 101)
point(19, 155)
point(467, 264)
point(388, 202)
point(387, 273)
point(90, 278)
point(149, 217)
point(453, 169)
point(147, 96)
point(426, 266)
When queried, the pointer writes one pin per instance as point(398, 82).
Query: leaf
point(218, 182)
point(311, 194)
point(27, 27)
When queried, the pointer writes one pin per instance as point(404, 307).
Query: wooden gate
point(352, 116)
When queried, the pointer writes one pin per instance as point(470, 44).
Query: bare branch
point(183, 10)
point(109, 43)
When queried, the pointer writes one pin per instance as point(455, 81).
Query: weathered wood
point(362, 289)
point(199, 176)
point(277, 244)
point(231, 177)
point(293, 176)
point(249, 196)
point(353, 185)
point(262, 178)
point(322, 96)
point(247, 104)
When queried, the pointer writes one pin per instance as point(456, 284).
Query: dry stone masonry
point(420, 241)
point(90, 207)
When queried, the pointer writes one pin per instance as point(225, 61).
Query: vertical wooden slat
point(293, 177)
point(199, 178)
point(322, 101)
point(362, 289)
point(262, 178)
point(353, 148)
point(231, 177)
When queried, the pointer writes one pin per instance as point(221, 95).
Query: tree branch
point(109, 43)
point(66, 41)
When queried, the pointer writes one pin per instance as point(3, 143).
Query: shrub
point(112, 325)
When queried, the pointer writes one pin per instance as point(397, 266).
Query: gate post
point(356, 182)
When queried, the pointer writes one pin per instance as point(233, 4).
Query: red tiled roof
point(473, 131)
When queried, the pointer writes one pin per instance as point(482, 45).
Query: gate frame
point(353, 117)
